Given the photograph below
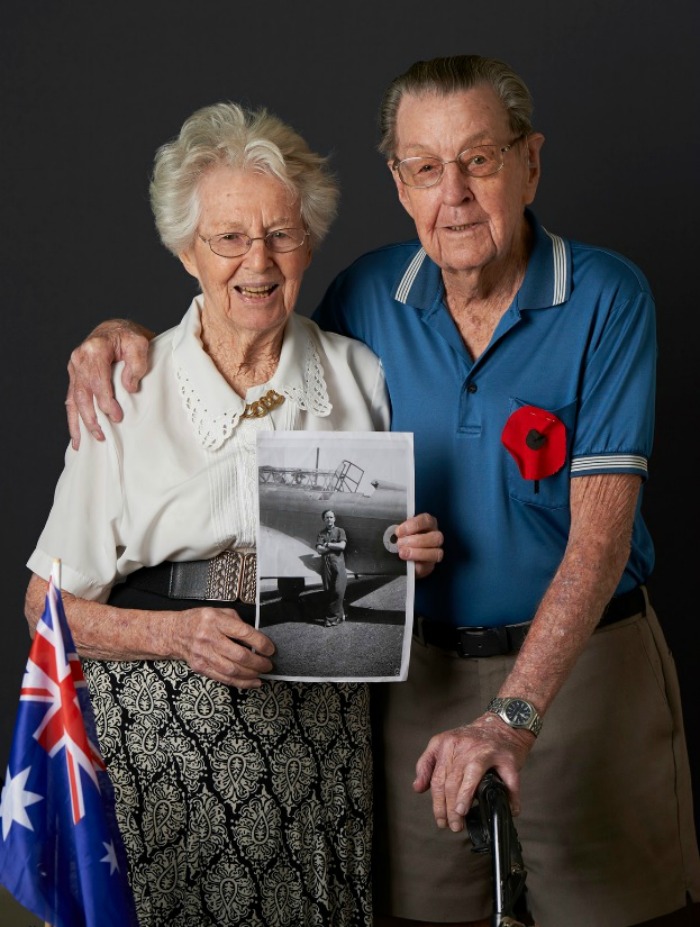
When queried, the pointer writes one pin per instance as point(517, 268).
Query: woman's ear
point(188, 262)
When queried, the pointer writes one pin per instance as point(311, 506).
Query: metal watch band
point(498, 707)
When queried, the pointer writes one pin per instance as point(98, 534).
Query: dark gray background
point(90, 90)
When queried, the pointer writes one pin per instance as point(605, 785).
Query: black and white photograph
point(333, 594)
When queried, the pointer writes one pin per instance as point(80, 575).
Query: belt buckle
point(483, 641)
point(233, 575)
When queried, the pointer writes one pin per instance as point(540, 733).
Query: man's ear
point(401, 189)
point(534, 143)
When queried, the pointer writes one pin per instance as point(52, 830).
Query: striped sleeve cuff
point(609, 463)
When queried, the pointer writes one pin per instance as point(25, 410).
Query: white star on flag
point(14, 801)
point(110, 857)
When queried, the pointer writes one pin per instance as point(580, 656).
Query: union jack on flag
point(61, 853)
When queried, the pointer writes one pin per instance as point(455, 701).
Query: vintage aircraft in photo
point(292, 500)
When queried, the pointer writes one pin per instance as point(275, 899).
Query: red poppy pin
point(537, 441)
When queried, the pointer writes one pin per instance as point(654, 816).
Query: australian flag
point(61, 854)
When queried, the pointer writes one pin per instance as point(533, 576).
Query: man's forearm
point(602, 517)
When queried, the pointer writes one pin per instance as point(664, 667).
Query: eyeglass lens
point(478, 162)
point(234, 244)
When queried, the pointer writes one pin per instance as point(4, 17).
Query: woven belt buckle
point(482, 642)
point(233, 575)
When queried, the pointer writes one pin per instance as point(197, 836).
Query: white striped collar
point(559, 268)
point(410, 275)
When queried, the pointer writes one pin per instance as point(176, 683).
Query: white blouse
point(176, 479)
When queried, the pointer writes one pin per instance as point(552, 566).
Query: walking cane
point(491, 829)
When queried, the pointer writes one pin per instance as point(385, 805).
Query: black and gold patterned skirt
point(238, 808)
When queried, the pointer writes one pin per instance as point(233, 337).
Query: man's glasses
point(236, 244)
point(479, 161)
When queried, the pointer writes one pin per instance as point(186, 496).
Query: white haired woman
point(241, 801)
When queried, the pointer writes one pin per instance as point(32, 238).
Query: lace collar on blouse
point(215, 410)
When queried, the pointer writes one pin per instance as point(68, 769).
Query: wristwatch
point(516, 712)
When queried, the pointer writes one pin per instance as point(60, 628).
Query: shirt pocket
point(552, 491)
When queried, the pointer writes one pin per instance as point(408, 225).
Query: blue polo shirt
point(578, 342)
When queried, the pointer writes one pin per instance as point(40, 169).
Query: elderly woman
point(241, 802)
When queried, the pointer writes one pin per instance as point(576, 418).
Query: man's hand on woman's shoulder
point(90, 373)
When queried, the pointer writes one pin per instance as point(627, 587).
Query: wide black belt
point(228, 577)
point(509, 638)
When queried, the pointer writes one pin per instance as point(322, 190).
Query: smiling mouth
point(462, 228)
point(257, 292)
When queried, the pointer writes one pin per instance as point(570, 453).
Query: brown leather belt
point(229, 577)
point(509, 638)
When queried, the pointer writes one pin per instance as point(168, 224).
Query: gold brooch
point(262, 406)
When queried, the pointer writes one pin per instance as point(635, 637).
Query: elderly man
point(524, 364)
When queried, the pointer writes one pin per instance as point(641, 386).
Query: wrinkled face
point(329, 519)
point(466, 223)
point(256, 292)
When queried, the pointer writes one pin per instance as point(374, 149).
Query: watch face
point(518, 711)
